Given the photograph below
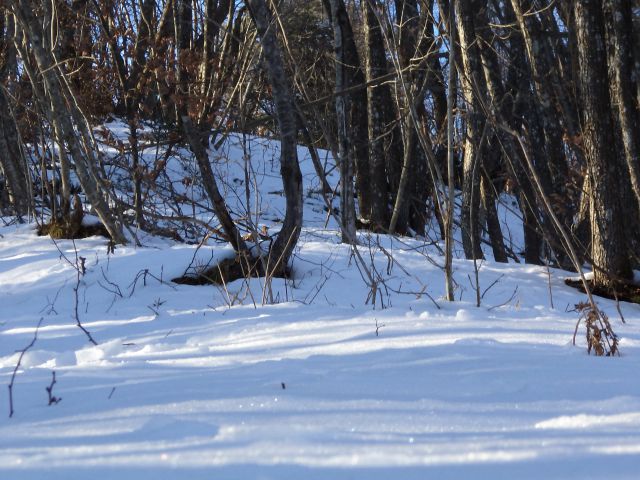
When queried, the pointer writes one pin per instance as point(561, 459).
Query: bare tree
point(66, 116)
point(608, 245)
point(381, 113)
point(619, 34)
point(285, 114)
point(472, 82)
point(12, 160)
point(345, 60)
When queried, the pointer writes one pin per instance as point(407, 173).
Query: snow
point(205, 382)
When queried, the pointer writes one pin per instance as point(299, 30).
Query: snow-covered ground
point(314, 382)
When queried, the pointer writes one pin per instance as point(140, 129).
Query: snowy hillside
point(316, 380)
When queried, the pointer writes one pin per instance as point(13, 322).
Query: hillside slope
point(313, 381)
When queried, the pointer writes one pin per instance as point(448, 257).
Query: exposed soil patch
point(624, 291)
point(67, 229)
point(226, 271)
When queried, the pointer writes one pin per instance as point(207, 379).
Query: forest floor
point(306, 377)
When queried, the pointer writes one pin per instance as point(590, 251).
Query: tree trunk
point(471, 82)
point(493, 221)
point(618, 18)
point(553, 172)
point(491, 167)
point(608, 247)
point(183, 25)
point(400, 213)
point(379, 111)
point(451, 182)
point(198, 148)
point(415, 51)
point(67, 118)
point(522, 113)
point(342, 36)
point(285, 114)
point(12, 161)
point(215, 13)
point(355, 102)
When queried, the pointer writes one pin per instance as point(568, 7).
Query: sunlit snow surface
point(184, 386)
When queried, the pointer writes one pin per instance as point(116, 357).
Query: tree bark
point(619, 32)
point(352, 74)
point(183, 28)
point(379, 111)
point(491, 156)
point(451, 182)
point(553, 171)
point(342, 35)
point(611, 263)
point(411, 50)
point(472, 83)
point(285, 113)
point(522, 112)
point(198, 148)
point(12, 161)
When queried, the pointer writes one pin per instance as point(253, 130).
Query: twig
point(15, 370)
point(418, 294)
point(144, 273)
point(549, 284)
point(50, 306)
point(155, 306)
point(508, 301)
point(378, 327)
point(492, 284)
point(53, 400)
point(80, 270)
point(615, 294)
point(476, 271)
point(116, 289)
